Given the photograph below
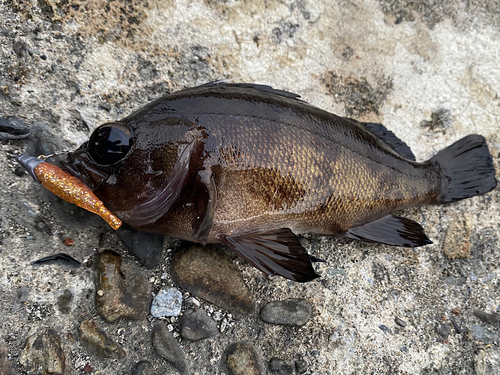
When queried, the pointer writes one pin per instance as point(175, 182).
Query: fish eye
point(109, 143)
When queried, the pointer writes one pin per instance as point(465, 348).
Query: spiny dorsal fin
point(264, 88)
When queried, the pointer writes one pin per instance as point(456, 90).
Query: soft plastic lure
point(67, 187)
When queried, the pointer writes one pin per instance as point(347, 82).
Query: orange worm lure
point(72, 190)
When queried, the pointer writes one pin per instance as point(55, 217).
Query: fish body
point(252, 167)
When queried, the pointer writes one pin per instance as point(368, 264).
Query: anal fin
point(391, 230)
point(277, 252)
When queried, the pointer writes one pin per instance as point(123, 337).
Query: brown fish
point(252, 167)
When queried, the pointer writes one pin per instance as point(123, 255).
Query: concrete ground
point(429, 71)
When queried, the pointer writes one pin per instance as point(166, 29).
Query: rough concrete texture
point(428, 70)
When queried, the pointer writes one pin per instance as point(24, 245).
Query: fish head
point(125, 164)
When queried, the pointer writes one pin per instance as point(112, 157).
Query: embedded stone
point(97, 340)
point(457, 242)
point(295, 311)
point(64, 301)
point(168, 347)
point(241, 358)
point(168, 302)
point(210, 274)
point(143, 368)
point(197, 325)
point(123, 290)
point(43, 354)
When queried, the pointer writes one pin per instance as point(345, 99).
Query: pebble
point(487, 361)
point(482, 334)
point(385, 329)
point(143, 368)
point(241, 358)
point(332, 271)
point(442, 329)
point(168, 347)
point(457, 328)
point(123, 290)
point(68, 242)
point(5, 364)
point(96, 339)
point(197, 325)
point(488, 318)
point(279, 367)
point(400, 322)
point(457, 244)
point(147, 247)
point(43, 354)
point(294, 311)
point(64, 301)
point(300, 366)
point(210, 274)
point(104, 106)
point(168, 302)
point(194, 301)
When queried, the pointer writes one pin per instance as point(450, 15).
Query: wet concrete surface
point(429, 71)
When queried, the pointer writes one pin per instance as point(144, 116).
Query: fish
point(253, 167)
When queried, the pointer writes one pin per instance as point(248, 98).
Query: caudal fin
point(467, 169)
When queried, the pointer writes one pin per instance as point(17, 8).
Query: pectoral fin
point(159, 203)
point(277, 252)
point(207, 201)
point(391, 230)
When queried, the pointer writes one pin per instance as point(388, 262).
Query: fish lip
point(71, 165)
point(79, 165)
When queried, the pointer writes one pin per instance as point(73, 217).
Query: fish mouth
point(80, 165)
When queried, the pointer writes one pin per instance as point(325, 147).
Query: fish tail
point(466, 169)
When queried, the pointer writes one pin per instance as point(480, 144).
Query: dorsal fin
point(255, 86)
point(389, 138)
